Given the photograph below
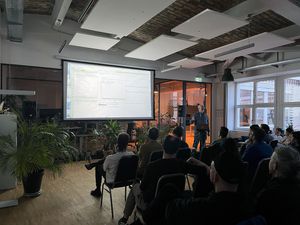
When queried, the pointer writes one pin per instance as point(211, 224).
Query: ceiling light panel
point(160, 47)
point(257, 43)
point(122, 17)
point(209, 24)
point(190, 63)
point(92, 41)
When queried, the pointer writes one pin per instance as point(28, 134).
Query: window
point(245, 93)
point(265, 91)
point(265, 115)
point(292, 89)
point(244, 116)
point(255, 103)
point(291, 114)
point(292, 117)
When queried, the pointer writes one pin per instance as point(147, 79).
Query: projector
point(58, 23)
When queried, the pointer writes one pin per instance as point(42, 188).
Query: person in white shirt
point(110, 165)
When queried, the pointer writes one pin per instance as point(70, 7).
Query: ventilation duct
point(14, 17)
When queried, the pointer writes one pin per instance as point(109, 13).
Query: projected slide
point(106, 92)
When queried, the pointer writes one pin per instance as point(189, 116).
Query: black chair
point(261, 177)
point(243, 187)
point(155, 155)
point(126, 176)
point(177, 180)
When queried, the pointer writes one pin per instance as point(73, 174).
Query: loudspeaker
point(29, 110)
point(180, 111)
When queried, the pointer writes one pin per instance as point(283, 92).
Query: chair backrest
point(243, 187)
point(177, 179)
point(156, 155)
point(261, 176)
point(126, 172)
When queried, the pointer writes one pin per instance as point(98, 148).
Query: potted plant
point(39, 146)
point(141, 136)
point(107, 134)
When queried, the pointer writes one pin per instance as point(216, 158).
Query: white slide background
point(106, 92)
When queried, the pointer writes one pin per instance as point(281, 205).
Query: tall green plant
point(141, 135)
point(110, 130)
point(39, 146)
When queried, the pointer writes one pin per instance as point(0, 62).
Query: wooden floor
point(65, 200)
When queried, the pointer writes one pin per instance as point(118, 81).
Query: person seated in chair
point(184, 152)
point(143, 194)
point(279, 201)
point(222, 135)
point(110, 164)
point(150, 146)
point(268, 137)
point(223, 206)
point(257, 151)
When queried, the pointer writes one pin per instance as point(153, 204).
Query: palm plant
point(39, 146)
point(109, 132)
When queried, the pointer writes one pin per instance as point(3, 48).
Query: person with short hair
point(223, 132)
point(178, 132)
point(146, 149)
point(109, 165)
point(279, 201)
point(141, 195)
point(223, 206)
point(184, 151)
point(201, 131)
point(257, 151)
point(278, 134)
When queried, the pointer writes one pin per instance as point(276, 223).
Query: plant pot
point(32, 183)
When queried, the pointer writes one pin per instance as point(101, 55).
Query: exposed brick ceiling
point(175, 14)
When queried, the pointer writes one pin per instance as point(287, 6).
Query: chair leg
point(102, 195)
point(125, 192)
point(111, 204)
point(188, 182)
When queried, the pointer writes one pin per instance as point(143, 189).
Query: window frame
point(255, 105)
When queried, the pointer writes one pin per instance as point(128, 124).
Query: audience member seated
point(296, 140)
point(257, 151)
point(279, 201)
point(146, 149)
point(110, 164)
point(250, 139)
point(223, 132)
point(278, 134)
point(268, 137)
point(184, 152)
point(142, 194)
point(288, 137)
point(223, 206)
